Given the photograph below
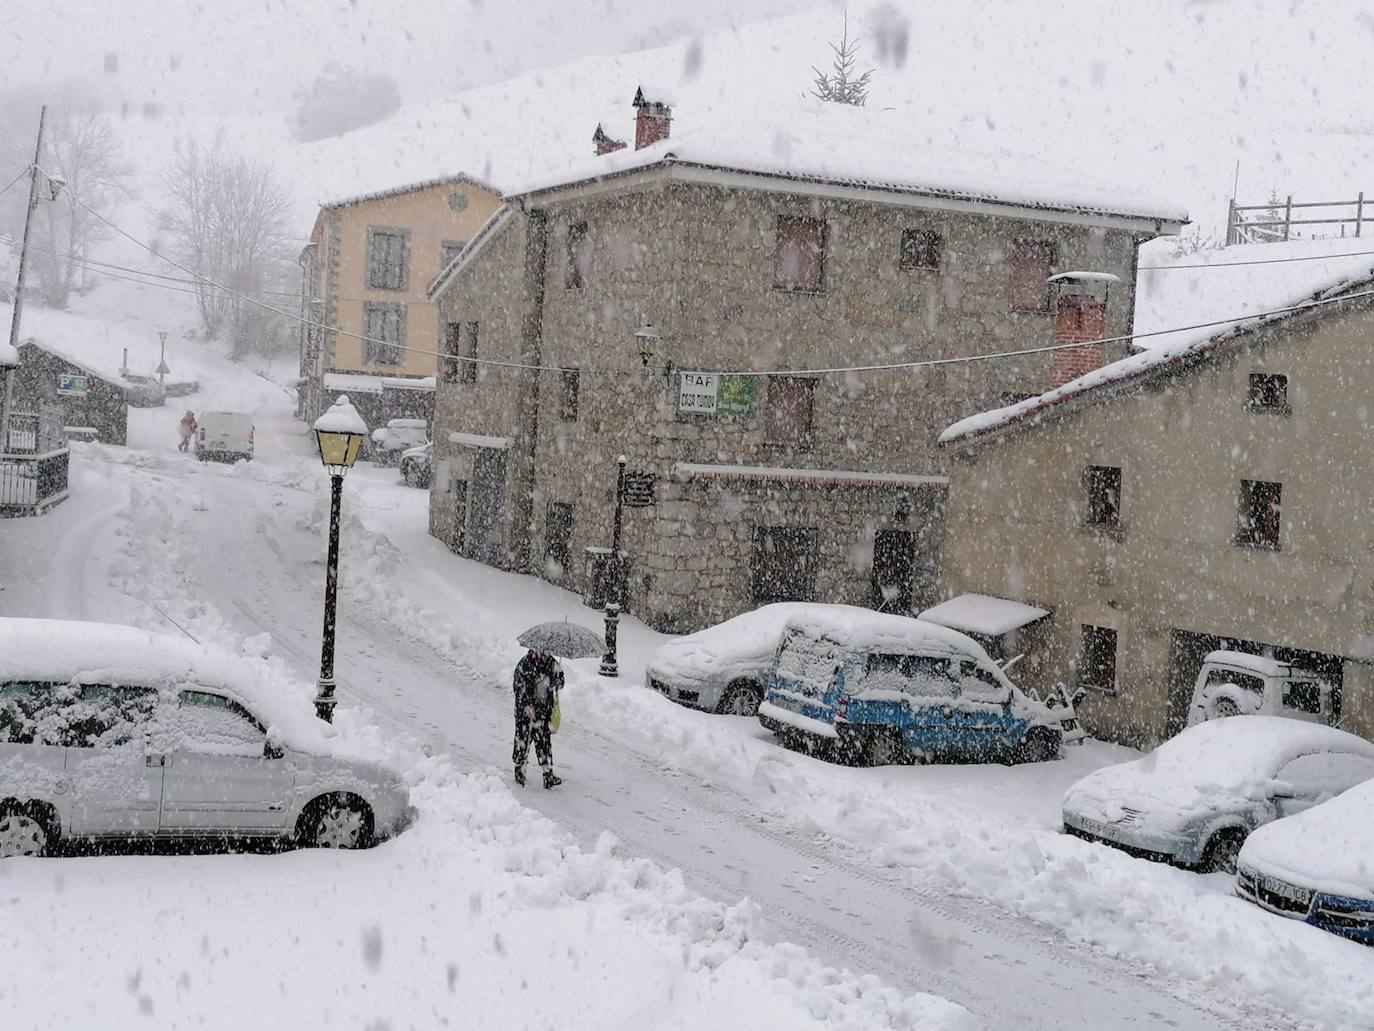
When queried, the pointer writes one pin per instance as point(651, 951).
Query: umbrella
point(564, 639)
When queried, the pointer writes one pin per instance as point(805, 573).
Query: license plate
point(1101, 830)
point(1287, 891)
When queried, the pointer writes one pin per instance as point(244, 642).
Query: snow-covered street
point(950, 880)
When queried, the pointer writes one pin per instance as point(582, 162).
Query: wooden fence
point(1273, 222)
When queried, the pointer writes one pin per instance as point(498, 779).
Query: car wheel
point(885, 748)
point(1224, 707)
point(1221, 852)
point(1038, 746)
point(22, 833)
point(741, 698)
point(335, 821)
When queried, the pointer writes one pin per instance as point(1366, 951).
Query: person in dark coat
point(538, 679)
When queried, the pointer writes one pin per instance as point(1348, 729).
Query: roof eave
point(489, 230)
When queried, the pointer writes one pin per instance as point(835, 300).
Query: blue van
point(874, 688)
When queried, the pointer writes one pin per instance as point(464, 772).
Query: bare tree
point(81, 148)
point(228, 220)
point(840, 85)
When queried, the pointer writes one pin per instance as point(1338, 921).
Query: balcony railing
point(34, 461)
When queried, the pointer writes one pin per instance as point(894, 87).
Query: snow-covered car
point(224, 436)
point(1237, 684)
point(416, 467)
point(112, 732)
point(1317, 866)
point(391, 441)
point(724, 668)
point(1196, 798)
point(877, 688)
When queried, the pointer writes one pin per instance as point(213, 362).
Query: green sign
point(70, 385)
point(735, 395)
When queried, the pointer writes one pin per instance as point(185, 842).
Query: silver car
point(1195, 798)
point(108, 732)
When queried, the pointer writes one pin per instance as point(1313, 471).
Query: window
point(210, 723)
point(384, 326)
point(558, 523)
point(388, 253)
point(923, 676)
point(1102, 484)
point(921, 248)
point(579, 256)
point(1268, 393)
point(799, 260)
point(1260, 505)
point(451, 371)
point(787, 419)
point(784, 564)
point(90, 716)
point(1097, 660)
point(1303, 696)
point(980, 685)
point(467, 371)
point(1244, 681)
point(567, 395)
point(448, 250)
point(1031, 262)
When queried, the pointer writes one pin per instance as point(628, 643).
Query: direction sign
point(162, 369)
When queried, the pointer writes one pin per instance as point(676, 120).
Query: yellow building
point(372, 331)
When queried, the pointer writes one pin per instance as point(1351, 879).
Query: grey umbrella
point(564, 639)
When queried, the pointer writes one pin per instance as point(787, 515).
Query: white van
point(224, 436)
point(1236, 683)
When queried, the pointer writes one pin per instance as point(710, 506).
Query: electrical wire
point(1258, 261)
point(1316, 302)
point(22, 172)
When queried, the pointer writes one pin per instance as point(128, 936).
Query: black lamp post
point(339, 434)
point(609, 666)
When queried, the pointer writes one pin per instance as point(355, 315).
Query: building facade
point(365, 275)
point(678, 312)
point(1178, 502)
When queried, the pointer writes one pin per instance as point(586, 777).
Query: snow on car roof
point(71, 650)
point(983, 614)
point(750, 635)
point(1227, 754)
point(1264, 665)
point(853, 627)
point(1329, 847)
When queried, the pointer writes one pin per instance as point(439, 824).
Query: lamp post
point(339, 433)
point(609, 666)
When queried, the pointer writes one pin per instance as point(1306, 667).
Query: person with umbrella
point(538, 679)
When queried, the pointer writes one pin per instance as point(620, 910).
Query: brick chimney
point(604, 142)
point(653, 118)
point(1080, 315)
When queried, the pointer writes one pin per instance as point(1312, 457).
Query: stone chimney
point(604, 142)
point(653, 118)
point(1080, 315)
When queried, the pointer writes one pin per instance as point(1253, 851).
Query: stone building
point(364, 275)
point(1202, 495)
point(93, 404)
point(679, 304)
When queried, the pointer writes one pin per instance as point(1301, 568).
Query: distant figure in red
point(187, 430)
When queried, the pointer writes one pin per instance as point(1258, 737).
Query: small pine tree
point(840, 85)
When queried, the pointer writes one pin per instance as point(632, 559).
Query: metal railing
point(34, 462)
point(1273, 222)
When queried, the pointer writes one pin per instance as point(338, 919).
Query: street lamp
point(339, 434)
point(609, 666)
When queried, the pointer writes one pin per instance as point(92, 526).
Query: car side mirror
point(272, 750)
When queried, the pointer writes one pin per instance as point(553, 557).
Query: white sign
point(697, 392)
point(71, 385)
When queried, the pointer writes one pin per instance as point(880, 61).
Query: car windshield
point(1245, 681)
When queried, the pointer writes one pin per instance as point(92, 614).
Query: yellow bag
point(554, 717)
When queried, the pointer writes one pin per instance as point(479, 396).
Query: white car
point(1317, 867)
point(726, 667)
point(224, 436)
point(1239, 684)
point(108, 732)
point(1195, 799)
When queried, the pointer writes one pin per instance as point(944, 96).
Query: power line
point(1316, 302)
point(1257, 261)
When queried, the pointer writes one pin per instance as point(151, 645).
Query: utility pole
point(19, 283)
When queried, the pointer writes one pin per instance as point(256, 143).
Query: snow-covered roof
point(1084, 277)
point(875, 153)
point(107, 373)
point(685, 471)
point(408, 382)
point(983, 614)
point(460, 178)
point(358, 382)
point(653, 93)
point(479, 440)
point(1168, 358)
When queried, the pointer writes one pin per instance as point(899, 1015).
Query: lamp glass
point(338, 449)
